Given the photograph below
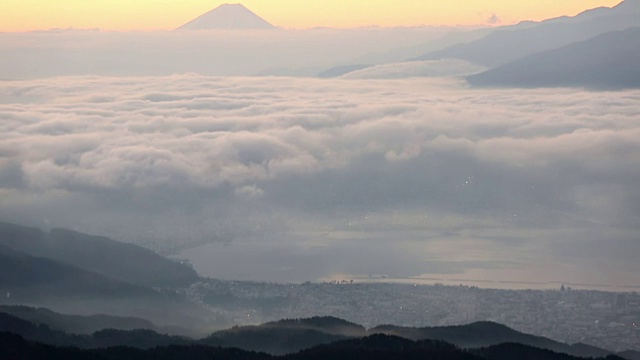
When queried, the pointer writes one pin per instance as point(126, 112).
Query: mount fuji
point(228, 16)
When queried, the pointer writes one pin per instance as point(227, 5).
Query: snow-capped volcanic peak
point(227, 16)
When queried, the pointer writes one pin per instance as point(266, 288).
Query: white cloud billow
point(324, 164)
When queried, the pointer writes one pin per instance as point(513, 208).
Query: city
point(605, 319)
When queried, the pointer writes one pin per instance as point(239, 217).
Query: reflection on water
point(367, 260)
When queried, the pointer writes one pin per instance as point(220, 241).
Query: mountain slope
point(25, 278)
point(371, 348)
point(483, 334)
point(286, 336)
point(142, 339)
point(608, 61)
point(375, 346)
point(509, 351)
point(326, 324)
point(76, 324)
point(110, 258)
point(504, 46)
point(630, 355)
point(74, 273)
point(36, 281)
point(228, 16)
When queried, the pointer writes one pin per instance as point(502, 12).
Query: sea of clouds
point(293, 179)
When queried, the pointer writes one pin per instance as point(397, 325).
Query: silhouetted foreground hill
point(119, 261)
point(385, 347)
point(281, 337)
point(608, 61)
point(630, 355)
point(485, 333)
point(286, 336)
point(14, 347)
point(311, 339)
point(510, 351)
point(100, 339)
point(326, 324)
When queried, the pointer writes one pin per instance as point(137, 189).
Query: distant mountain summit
point(228, 16)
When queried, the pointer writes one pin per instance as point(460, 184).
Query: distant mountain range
point(314, 338)
point(228, 17)
point(596, 49)
point(608, 61)
point(504, 46)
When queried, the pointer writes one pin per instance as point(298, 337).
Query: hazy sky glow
point(27, 15)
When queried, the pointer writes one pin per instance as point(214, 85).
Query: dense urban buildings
point(604, 319)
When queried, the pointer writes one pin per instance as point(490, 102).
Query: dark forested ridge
point(314, 338)
point(511, 351)
point(328, 324)
point(141, 338)
point(485, 333)
point(76, 324)
point(287, 336)
point(14, 347)
point(630, 355)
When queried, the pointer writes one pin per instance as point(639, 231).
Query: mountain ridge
point(484, 334)
point(372, 348)
point(607, 61)
point(76, 324)
point(506, 45)
point(309, 335)
point(135, 264)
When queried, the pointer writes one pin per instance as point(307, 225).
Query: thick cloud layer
point(304, 179)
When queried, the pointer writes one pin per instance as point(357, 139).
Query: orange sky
point(25, 15)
